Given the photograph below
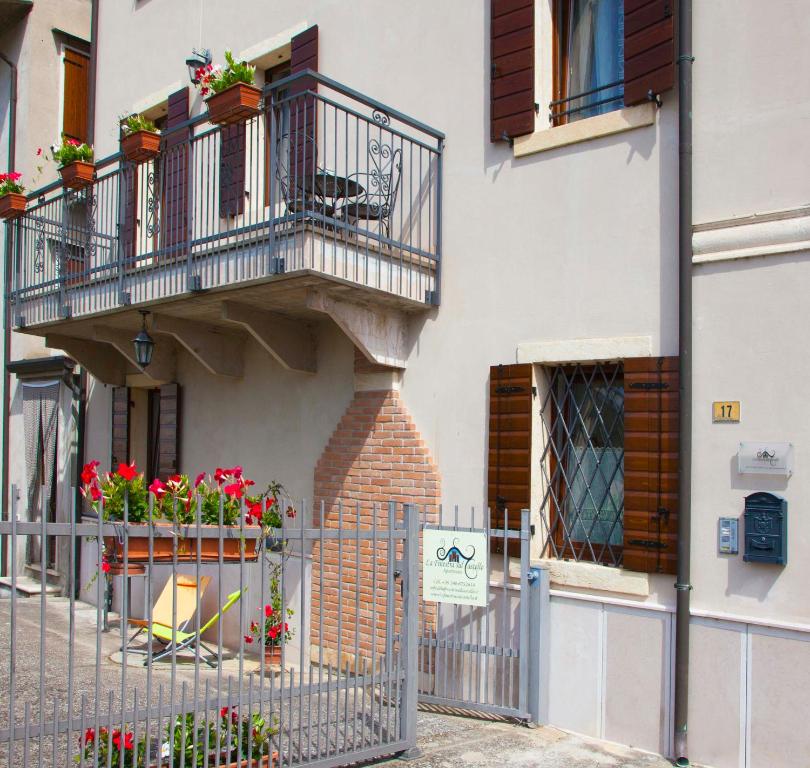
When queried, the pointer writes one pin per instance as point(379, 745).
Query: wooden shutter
point(651, 400)
point(649, 48)
point(303, 110)
point(232, 169)
point(76, 94)
point(169, 431)
point(120, 427)
point(129, 216)
point(174, 171)
point(510, 446)
point(511, 103)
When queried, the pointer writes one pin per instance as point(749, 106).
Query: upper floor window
point(75, 95)
point(588, 58)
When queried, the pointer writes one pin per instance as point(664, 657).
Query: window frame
point(560, 27)
point(558, 544)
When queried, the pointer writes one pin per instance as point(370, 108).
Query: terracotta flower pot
point(265, 762)
point(234, 105)
point(12, 205)
point(140, 146)
point(272, 655)
point(186, 546)
point(134, 569)
point(78, 174)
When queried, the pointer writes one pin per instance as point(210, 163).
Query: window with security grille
point(582, 463)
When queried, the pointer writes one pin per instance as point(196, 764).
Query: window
point(588, 59)
point(582, 463)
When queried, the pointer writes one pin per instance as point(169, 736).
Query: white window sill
point(564, 573)
point(618, 121)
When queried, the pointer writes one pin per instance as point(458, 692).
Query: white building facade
point(409, 239)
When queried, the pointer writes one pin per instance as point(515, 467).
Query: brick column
point(374, 456)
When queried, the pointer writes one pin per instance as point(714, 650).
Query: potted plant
point(234, 97)
point(75, 160)
point(272, 626)
point(265, 510)
point(12, 197)
point(243, 741)
point(220, 501)
point(114, 748)
point(140, 140)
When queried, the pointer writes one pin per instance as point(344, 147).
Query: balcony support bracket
point(219, 352)
point(289, 342)
point(94, 356)
point(380, 334)
point(164, 357)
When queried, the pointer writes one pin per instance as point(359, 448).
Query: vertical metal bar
point(71, 627)
point(410, 616)
point(357, 582)
point(12, 635)
point(43, 604)
point(321, 595)
point(339, 617)
point(100, 598)
point(389, 624)
point(487, 633)
point(504, 641)
point(523, 644)
point(375, 511)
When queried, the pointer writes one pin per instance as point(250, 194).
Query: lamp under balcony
point(144, 344)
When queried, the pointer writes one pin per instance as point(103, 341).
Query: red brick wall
point(374, 456)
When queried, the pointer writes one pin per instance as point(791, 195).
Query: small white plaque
point(765, 459)
point(454, 567)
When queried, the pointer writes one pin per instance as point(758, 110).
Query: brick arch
point(375, 455)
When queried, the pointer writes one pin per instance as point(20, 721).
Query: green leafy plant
point(272, 626)
point(9, 183)
point(113, 488)
point(135, 123)
point(214, 79)
point(114, 748)
point(174, 499)
point(70, 151)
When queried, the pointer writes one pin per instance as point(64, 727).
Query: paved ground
point(447, 741)
point(457, 742)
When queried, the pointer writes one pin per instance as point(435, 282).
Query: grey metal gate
point(338, 693)
point(478, 658)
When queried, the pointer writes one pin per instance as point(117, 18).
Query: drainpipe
point(91, 95)
point(683, 586)
point(12, 158)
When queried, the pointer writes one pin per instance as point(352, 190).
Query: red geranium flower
point(129, 741)
point(248, 638)
point(127, 471)
point(234, 489)
point(220, 475)
point(158, 488)
point(268, 610)
point(95, 492)
point(199, 479)
point(89, 736)
point(175, 479)
point(105, 565)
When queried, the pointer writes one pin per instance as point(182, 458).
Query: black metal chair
point(380, 185)
point(294, 164)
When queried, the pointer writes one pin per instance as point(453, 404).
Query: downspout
point(91, 95)
point(683, 585)
point(12, 159)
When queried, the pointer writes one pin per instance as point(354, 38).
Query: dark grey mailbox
point(765, 528)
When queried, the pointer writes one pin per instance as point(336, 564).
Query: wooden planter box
point(78, 174)
point(12, 205)
point(234, 104)
point(186, 546)
point(141, 146)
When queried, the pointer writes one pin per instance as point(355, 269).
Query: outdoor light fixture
point(144, 344)
point(195, 61)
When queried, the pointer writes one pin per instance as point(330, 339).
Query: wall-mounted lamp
point(195, 61)
point(144, 344)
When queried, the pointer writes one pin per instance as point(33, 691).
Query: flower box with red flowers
point(75, 160)
point(168, 520)
point(12, 197)
point(232, 97)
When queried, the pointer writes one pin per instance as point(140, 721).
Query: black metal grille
point(582, 463)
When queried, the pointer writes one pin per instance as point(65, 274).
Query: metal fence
point(479, 658)
point(196, 693)
point(322, 178)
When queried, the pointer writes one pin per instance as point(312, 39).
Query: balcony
point(326, 201)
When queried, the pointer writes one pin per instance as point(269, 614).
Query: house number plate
point(725, 411)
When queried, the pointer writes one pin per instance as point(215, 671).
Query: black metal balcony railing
point(322, 179)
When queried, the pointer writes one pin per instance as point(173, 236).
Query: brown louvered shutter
point(649, 48)
point(169, 431)
point(129, 217)
point(77, 88)
point(510, 445)
point(232, 169)
point(120, 427)
point(174, 172)
point(511, 104)
point(303, 110)
point(650, 464)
